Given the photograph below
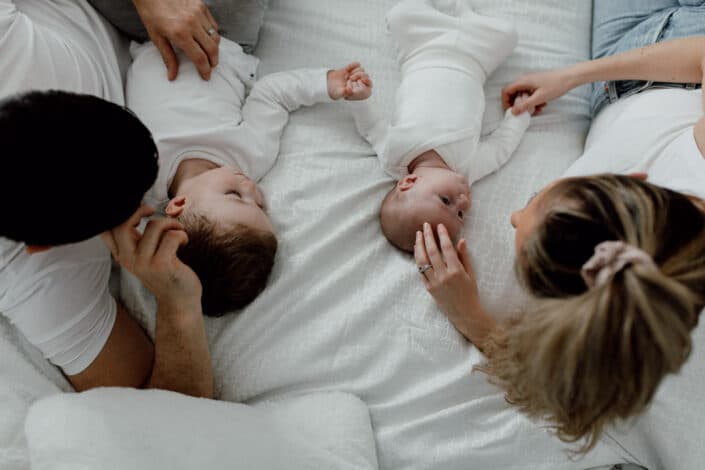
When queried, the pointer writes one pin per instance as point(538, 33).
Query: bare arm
point(678, 61)
point(179, 360)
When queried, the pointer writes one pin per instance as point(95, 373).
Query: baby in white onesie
point(432, 146)
point(215, 142)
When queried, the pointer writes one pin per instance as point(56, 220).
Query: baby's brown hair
point(233, 265)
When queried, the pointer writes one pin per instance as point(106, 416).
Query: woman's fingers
point(434, 254)
point(168, 55)
point(422, 258)
point(464, 256)
point(448, 249)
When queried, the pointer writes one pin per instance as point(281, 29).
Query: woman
point(616, 264)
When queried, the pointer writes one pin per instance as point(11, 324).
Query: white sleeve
point(33, 57)
point(496, 149)
point(63, 306)
point(266, 111)
point(370, 124)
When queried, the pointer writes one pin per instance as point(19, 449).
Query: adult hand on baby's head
point(185, 24)
point(451, 281)
point(151, 257)
point(351, 82)
point(540, 87)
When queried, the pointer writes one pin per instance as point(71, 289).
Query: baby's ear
point(176, 206)
point(407, 182)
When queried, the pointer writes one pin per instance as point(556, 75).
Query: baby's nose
point(463, 202)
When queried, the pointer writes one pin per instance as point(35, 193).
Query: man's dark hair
point(73, 165)
point(233, 265)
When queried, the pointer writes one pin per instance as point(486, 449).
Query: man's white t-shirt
point(58, 299)
point(650, 132)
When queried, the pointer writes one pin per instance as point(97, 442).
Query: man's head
point(231, 243)
point(74, 165)
point(433, 195)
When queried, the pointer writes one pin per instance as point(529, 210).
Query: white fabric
point(61, 44)
point(59, 299)
point(650, 132)
point(121, 429)
point(445, 57)
point(191, 118)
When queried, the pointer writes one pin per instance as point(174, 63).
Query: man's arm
point(180, 360)
point(678, 61)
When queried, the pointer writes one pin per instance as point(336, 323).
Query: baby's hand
point(350, 82)
point(522, 98)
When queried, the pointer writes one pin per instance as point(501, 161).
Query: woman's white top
point(650, 132)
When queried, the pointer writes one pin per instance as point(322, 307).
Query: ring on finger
point(424, 268)
point(211, 31)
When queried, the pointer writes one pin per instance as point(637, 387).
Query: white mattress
point(345, 311)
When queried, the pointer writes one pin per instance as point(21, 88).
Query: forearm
point(476, 326)
point(182, 361)
point(678, 61)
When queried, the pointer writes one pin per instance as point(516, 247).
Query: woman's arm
point(677, 61)
point(452, 284)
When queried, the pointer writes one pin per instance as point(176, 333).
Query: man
point(76, 166)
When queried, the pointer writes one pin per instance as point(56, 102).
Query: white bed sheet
point(347, 312)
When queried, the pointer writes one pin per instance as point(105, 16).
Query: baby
point(433, 146)
point(215, 142)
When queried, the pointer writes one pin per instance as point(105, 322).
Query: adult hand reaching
point(185, 24)
point(541, 87)
point(449, 278)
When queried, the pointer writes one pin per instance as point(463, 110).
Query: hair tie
point(610, 258)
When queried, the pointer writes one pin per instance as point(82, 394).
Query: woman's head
point(589, 355)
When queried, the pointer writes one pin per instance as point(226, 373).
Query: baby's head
point(433, 195)
point(231, 244)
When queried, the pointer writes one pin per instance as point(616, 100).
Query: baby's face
point(441, 197)
point(227, 196)
point(433, 195)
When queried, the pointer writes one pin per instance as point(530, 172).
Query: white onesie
point(445, 59)
point(193, 118)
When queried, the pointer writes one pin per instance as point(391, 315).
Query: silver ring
point(210, 31)
point(424, 268)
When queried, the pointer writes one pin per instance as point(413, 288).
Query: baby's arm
point(497, 148)
point(368, 120)
point(266, 110)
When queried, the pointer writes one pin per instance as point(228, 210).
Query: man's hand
point(351, 82)
point(151, 257)
point(186, 24)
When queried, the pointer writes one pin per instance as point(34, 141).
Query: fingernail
point(426, 226)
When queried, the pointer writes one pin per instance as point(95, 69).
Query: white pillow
point(118, 428)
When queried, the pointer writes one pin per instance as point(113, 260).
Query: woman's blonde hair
point(584, 357)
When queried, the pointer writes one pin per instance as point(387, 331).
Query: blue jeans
point(621, 25)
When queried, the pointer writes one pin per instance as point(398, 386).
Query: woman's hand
point(541, 87)
point(451, 282)
point(186, 24)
